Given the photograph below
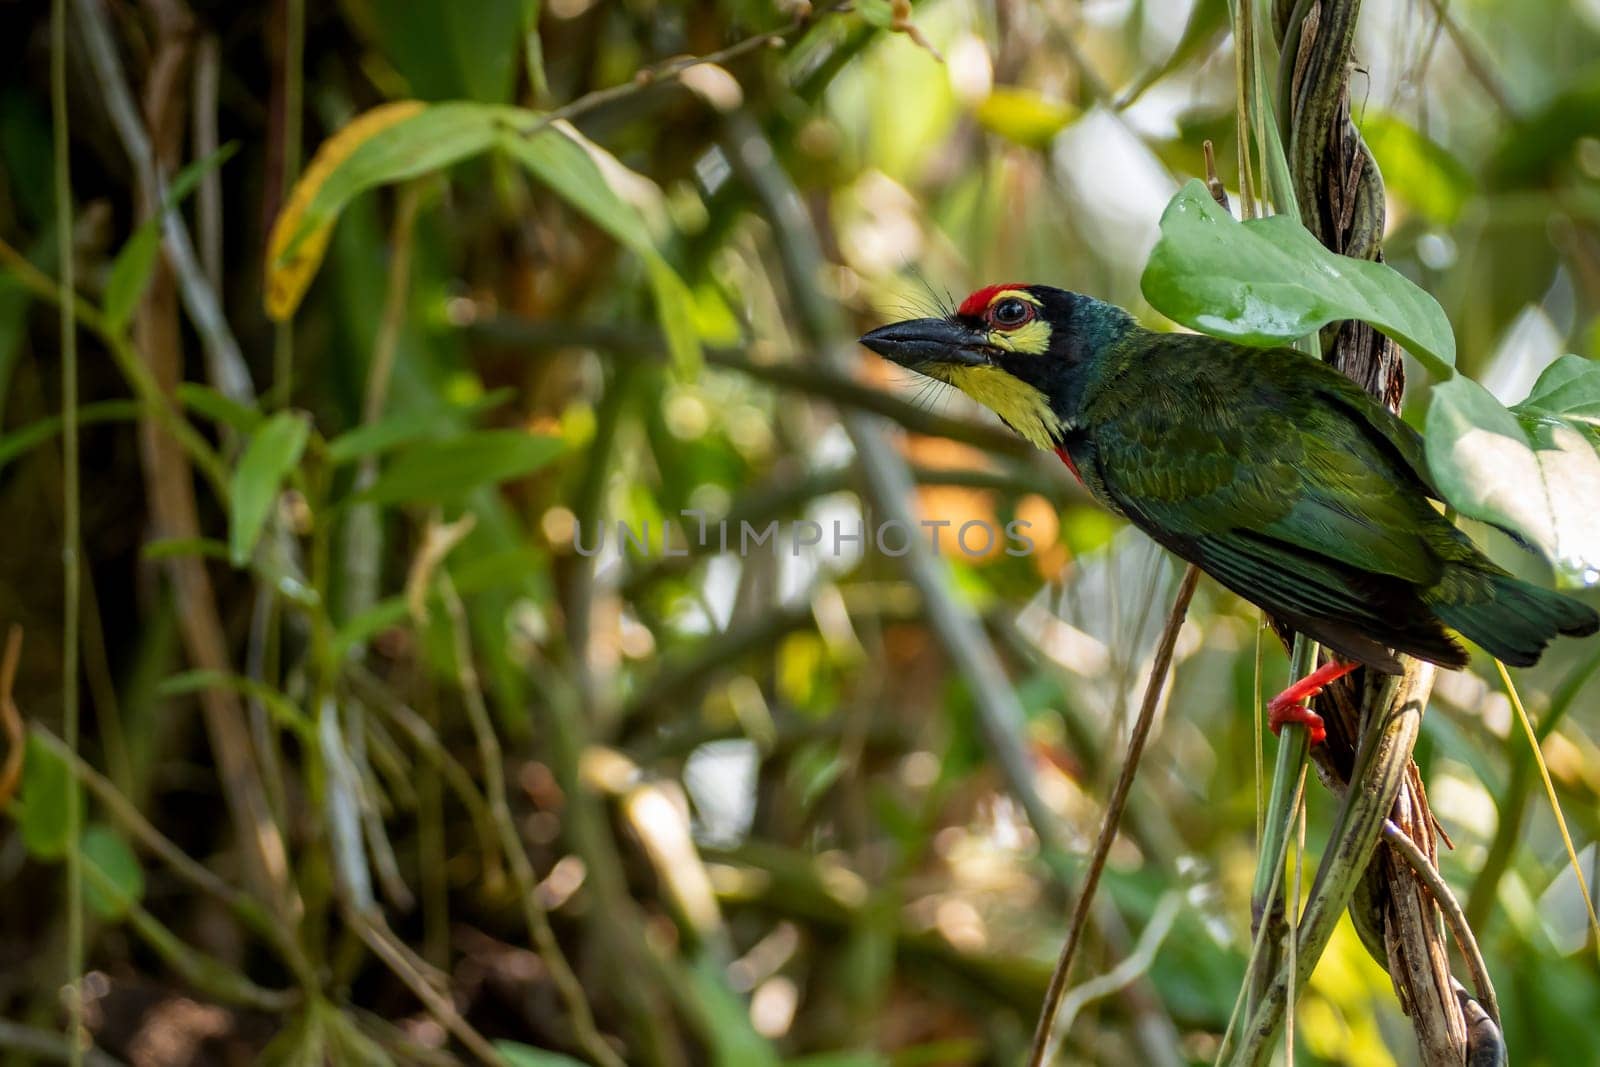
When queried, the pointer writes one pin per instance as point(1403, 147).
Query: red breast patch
point(976, 304)
point(1066, 457)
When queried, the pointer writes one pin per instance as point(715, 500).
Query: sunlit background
point(750, 784)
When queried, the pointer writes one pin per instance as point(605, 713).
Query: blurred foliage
point(502, 768)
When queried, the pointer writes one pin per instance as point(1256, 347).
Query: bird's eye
point(1010, 313)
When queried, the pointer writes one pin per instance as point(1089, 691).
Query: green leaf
point(46, 785)
point(390, 432)
point(1532, 469)
point(1023, 116)
point(124, 878)
point(879, 13)
point(569, 168)
point(178, 547)
point(34, 434)
point(280, 707)
point(385, 435)
point(407, 139)
point(448, 470)
point(269, 457)
point(130, 271)
point(449, 50)
point(1268, 281)
point(1568, 388)
point(520, 1055)
point(726, 1021)
point(1208, 23)
point(223, 410)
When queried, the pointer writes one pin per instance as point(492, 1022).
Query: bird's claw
point(1297, 713)
point(1291, 706)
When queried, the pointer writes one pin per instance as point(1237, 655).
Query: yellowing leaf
point(1023, 116)
point(293, 257)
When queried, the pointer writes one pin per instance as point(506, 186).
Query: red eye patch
point(975, 305)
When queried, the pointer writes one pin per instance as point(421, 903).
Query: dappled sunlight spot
point(843, 884)
point(1461, 800)
point(1473, 697)
point(1063, 642)
point(659, 815)
point(773, 1005)
point(558, 524)
point(1561, 908)
point(1567, 761)
point(686, 415)
point(175, 1030)
point(959, 923)
point(634, 639)
point(720, 777)
point(880, 225)
point(1529, 345)
point(1348, 989)
point(607, 770)
point(1043, 527)
point(919, 770)
point(969, 68)
point(765, 957)
point(735, 883)
point(564, 880)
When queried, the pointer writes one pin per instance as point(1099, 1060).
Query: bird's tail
point(1507, 617)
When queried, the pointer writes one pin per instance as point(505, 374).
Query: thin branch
point(1466, 941)
point(826, 383)
point(544, 938)
point(1045, 1033)
point(245, 908)
point(377, 936)
point(224, 361)
point(11, 718)
point(672, 70)
point(1472, 58)
point(42, 1045)
point(1133, 966)
point(154, 402)
point(71, 563)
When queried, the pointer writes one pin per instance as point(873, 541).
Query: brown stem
point(1044, 1036)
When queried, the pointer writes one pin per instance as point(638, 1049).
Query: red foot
point(1290, 705)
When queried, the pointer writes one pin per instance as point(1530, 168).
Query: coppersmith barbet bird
point(1272, 472)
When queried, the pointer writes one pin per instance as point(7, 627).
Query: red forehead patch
point(976, 304)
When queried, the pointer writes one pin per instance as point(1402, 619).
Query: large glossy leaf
point(448, 470)
point(269, 457)
point(1533, 468)
point(1269, 281)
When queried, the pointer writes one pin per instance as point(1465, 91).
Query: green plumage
point(1272, 472)
point(1290, 485)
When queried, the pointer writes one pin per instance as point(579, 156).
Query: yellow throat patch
point(1025, 408)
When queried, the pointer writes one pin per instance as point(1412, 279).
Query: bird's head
point(1019, 350)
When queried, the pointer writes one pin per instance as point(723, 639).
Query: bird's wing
point(1295, 502)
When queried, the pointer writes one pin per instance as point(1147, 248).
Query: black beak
point(916, 343)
